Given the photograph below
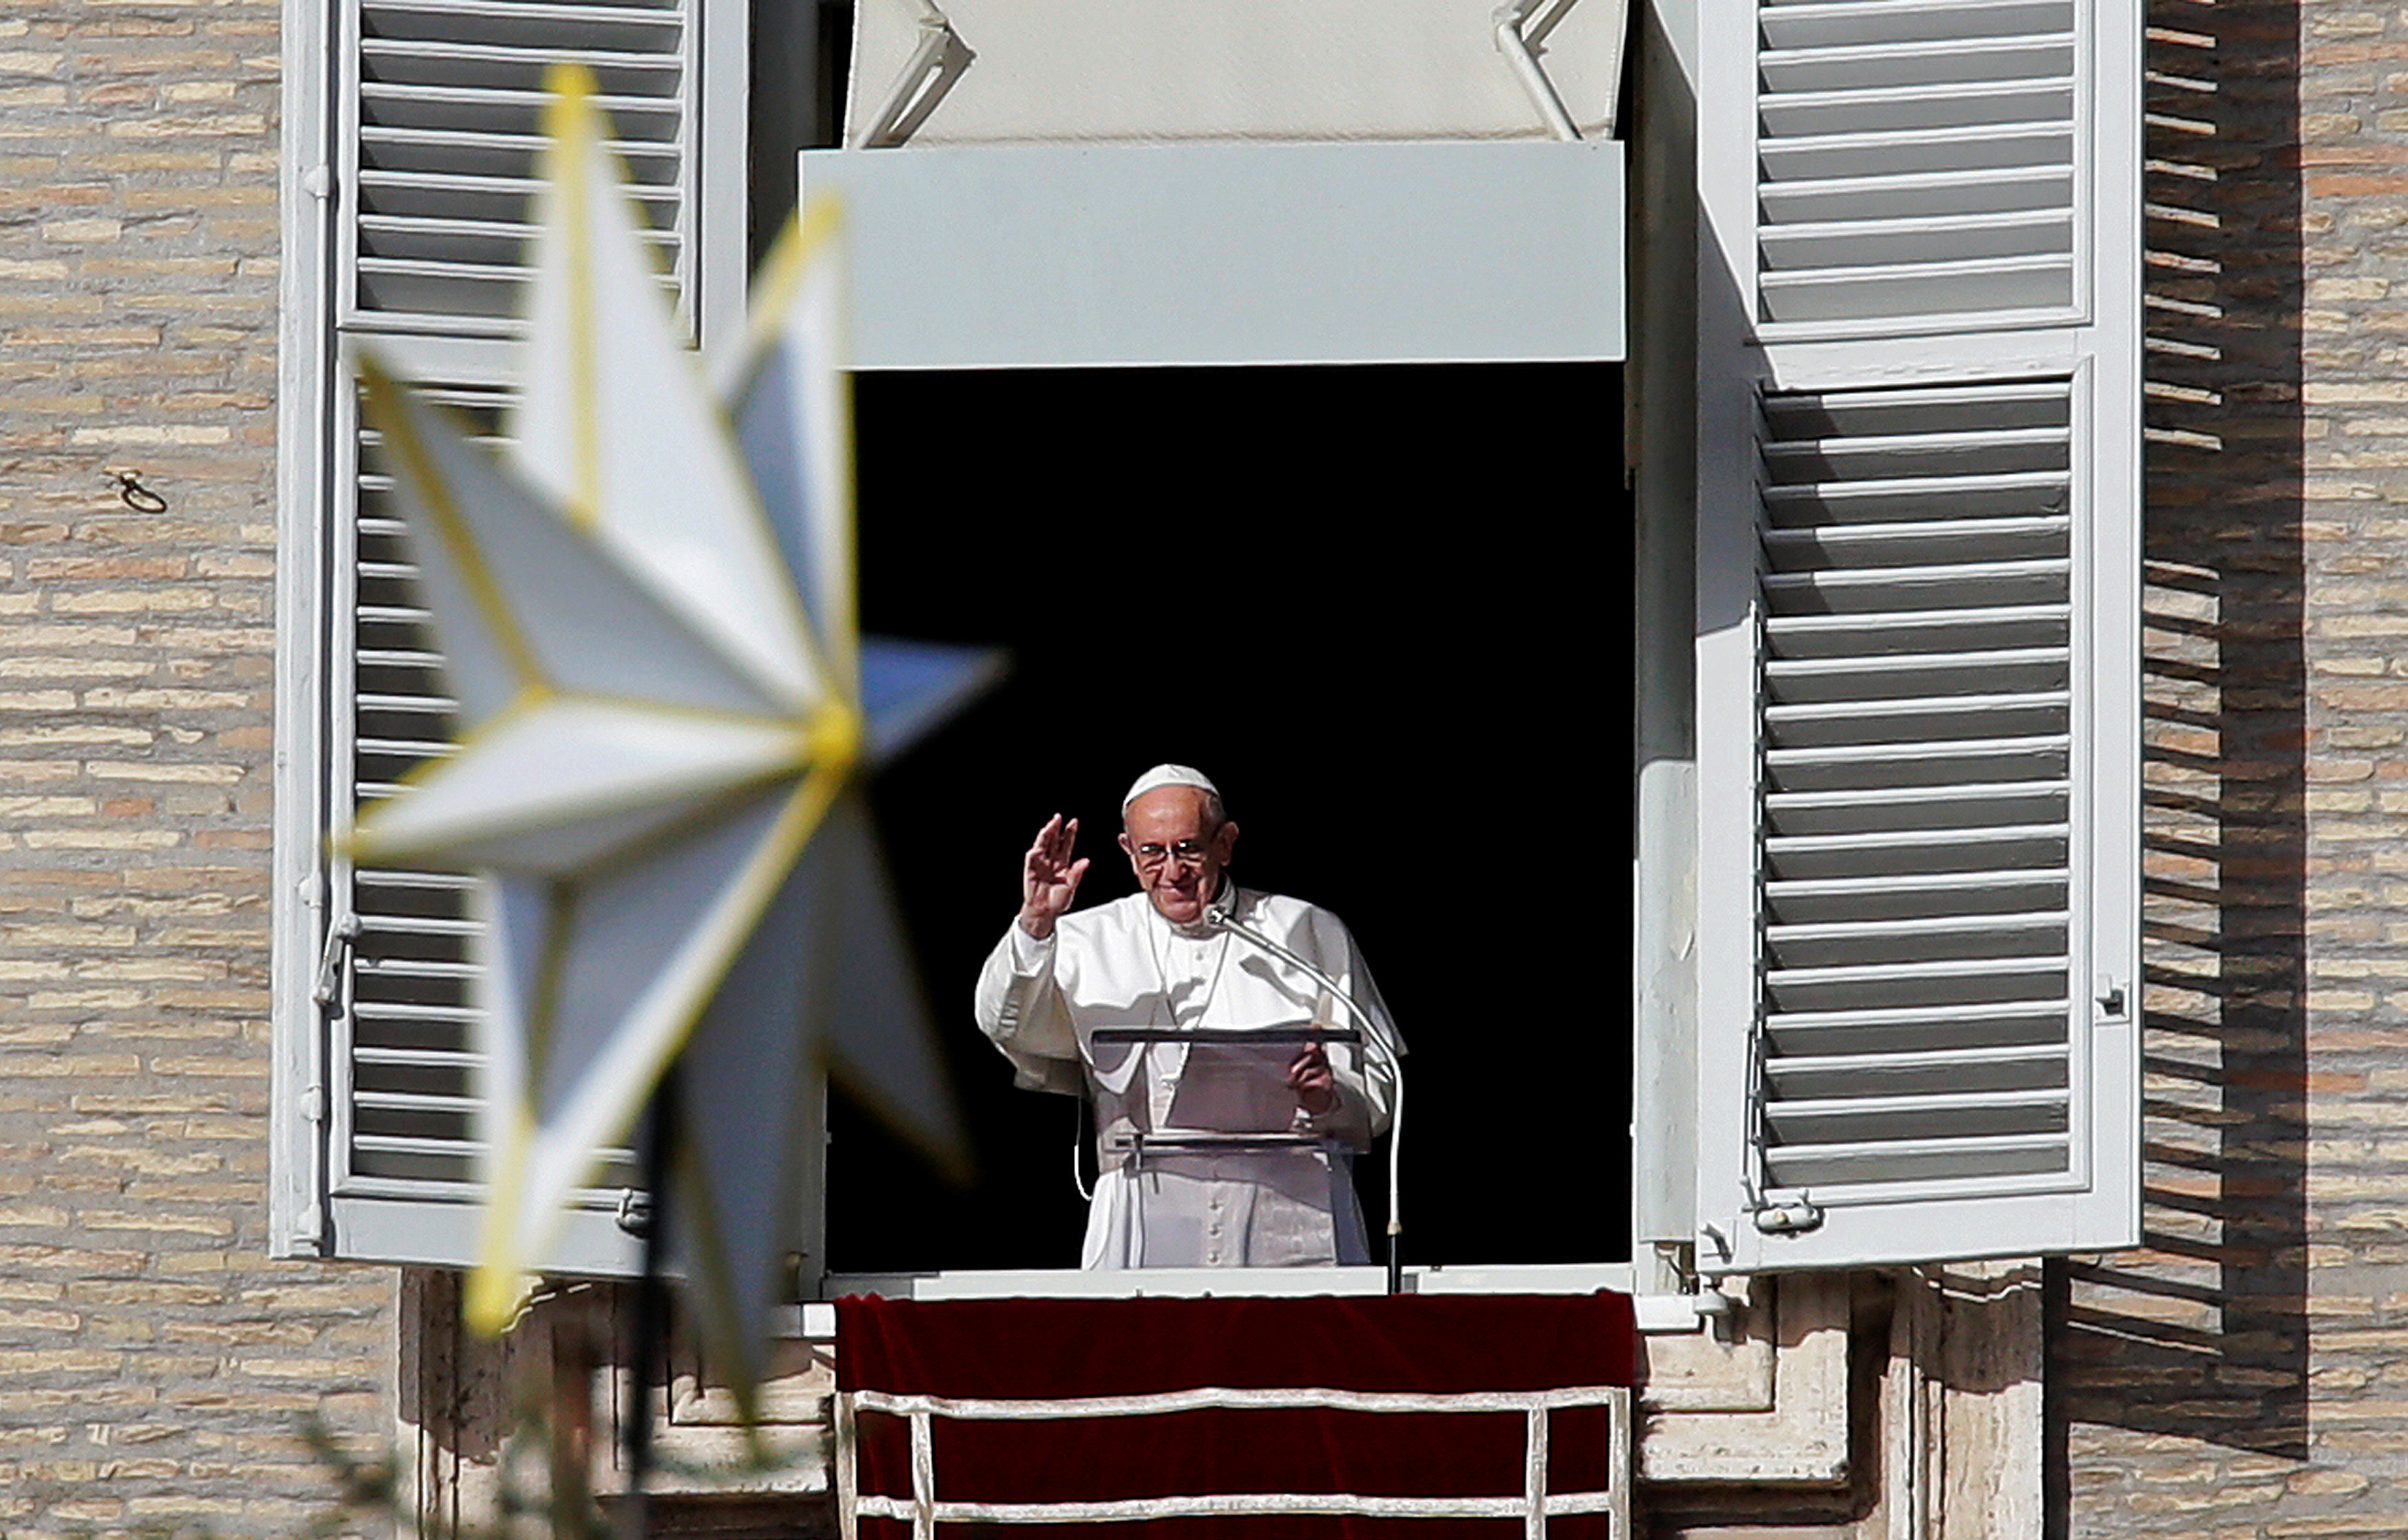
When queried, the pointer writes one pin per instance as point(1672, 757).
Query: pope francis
point(1232, 1088)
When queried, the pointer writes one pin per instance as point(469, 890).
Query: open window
point(1266, 359)
point(1915, 326)
point(1384, 607)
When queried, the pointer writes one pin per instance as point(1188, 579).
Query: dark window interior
point(1387, 609)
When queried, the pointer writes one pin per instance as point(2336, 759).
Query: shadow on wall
point(2203, 1333)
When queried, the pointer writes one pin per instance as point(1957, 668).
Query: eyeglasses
point(1187, 852)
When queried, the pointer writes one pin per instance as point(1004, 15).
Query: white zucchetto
point(1169, 775)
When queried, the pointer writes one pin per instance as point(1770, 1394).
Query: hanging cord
point(652, 1328)
point(1078, 1147)
point(1396, 1165)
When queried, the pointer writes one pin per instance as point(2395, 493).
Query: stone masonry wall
point(152, 1359)
point(2243, 1377)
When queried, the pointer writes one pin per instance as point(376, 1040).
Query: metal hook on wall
point(133, 494)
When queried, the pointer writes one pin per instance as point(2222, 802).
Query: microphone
point(1375, 1032)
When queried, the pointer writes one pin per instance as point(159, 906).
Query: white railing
point(1534, 1504)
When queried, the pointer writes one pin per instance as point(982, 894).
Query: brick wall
point(2243, 1378)
point(152, 1357)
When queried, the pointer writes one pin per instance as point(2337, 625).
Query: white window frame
point(1734, 357)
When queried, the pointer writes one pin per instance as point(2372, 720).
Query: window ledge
point(1658, 1314)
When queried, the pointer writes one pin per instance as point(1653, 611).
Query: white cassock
point(1123, 965)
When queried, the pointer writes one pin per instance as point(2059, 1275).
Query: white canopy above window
point(1075, 183)
point(1148, 71)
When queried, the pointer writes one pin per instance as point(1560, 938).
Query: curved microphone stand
point(1373, 1032)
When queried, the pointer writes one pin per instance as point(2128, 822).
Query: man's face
point(1176, 850)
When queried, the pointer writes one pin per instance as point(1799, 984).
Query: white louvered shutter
point(1920, 165)
point(439, 123)
point(430, 126)
point(1918, 632)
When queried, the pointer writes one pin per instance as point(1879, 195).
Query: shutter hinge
point(339, 936)
point(1720, 1244)
point(319, 181)
point(1794, 1217)
point(634, 1211)
point(2110, 994)
point(1718, 1312)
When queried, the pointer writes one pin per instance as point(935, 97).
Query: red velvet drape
point(1062, 1348)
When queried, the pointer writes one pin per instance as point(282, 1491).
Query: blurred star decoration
point(665, 712)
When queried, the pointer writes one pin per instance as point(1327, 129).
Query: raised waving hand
point(1049, 878)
